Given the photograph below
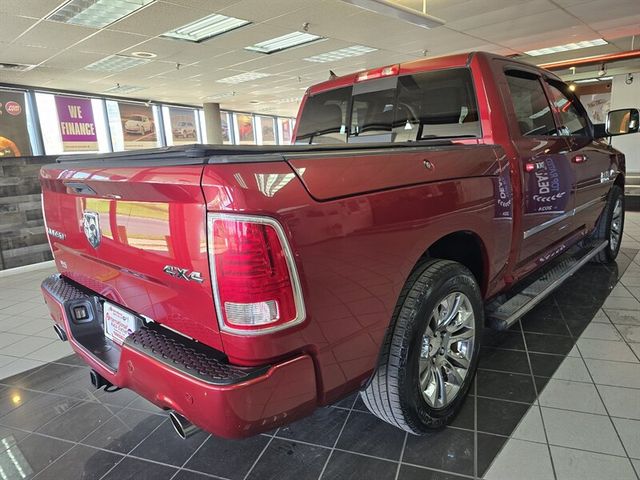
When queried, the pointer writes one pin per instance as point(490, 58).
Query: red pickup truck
point(240, 288)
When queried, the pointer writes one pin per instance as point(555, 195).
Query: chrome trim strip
point(553, 221)
point(547, 224)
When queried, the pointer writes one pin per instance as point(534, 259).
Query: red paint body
point(357, 221)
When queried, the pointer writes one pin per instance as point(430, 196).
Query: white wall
point(627, 96)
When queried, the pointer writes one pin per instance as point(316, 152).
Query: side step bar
point(504, 312)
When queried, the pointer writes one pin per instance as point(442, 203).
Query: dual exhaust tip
point(183, 427)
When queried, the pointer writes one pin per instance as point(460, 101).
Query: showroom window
point(324, 118)
point(436, 104)
point(530, 104)
point(572, 120)
point(266, 130)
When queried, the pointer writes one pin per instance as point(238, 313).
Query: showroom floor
point(556, 397)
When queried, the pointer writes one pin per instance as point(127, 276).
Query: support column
point(212, 123)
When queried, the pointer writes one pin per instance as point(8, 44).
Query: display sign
point(138, 126)
point(183, 125)
point(77, 127)
point(246, 135)
point(285, 129)
point(597, 106)
point(549, 185)
point(14, 135)
point(268, 130)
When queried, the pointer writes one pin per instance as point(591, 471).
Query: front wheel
point(611, 226)
point(429, 357)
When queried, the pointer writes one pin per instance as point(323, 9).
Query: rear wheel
point(429, 356)
point(611, 226)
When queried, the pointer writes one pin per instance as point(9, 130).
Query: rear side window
point(324, 118)
point(574, 122)
point(530, 104)
point(436, 104)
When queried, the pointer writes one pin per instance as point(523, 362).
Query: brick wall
point(22, 237)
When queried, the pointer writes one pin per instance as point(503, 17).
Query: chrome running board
point(503, 312)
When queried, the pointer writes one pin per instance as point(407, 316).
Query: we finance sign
point(77, 127)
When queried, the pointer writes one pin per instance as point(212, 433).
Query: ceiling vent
point(16, 67)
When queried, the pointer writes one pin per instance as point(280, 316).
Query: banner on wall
point(246, 135)
point(14, 135)
point(77, 127)
point(138, 126)
point(224, 124)
point(183, 125)
point(268, 131)
point(285, 127)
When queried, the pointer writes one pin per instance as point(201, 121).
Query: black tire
point(603, 230)
point(393, 393)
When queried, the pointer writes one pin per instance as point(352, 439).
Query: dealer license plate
point(118, 323)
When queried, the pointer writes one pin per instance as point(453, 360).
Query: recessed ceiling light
point(116, 63)
point(354, 51)
point(243, 77)
point(283, 42)
point(143, 54)
point(567, 47)
point(96, 13)
point(393, 10)
point(124, 89)
point(205, 28)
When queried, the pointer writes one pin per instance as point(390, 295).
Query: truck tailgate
point(124, 231)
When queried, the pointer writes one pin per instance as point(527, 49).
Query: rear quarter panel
point(355, 252)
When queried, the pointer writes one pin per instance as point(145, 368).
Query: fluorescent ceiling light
point(335, 55)
point(289, 40)
point(243, 77)
point(399, 12)
point(96, 13)
point(116, 63)
point(207, 27)
point(124, 89)
point(567, 47)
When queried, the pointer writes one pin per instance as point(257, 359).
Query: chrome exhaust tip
point(183, 427)
point(98, 381)
point(62, 335)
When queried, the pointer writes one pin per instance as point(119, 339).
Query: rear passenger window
point(436, 104)
point(574, 122)
point(324, 118)
point(530, 104)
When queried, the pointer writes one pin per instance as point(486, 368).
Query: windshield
point(409, 108)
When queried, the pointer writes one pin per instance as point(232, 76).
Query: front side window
point(573, 120)
point(530, 104)
point(439, 104)
point(324, 117)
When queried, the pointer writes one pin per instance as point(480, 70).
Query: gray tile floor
point(556, 397)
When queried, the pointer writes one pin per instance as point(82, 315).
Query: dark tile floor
point(53, 425)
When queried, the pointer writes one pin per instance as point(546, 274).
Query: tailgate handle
point(80, 188)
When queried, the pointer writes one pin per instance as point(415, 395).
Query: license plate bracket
point(118, 323)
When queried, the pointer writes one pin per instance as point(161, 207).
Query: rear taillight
point(255, 281)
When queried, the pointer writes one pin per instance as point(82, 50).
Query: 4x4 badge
point(183, 274)
point(91, 226)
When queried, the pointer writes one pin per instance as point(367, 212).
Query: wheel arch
point(465, 247)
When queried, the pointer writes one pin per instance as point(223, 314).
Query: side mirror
point(622, 122)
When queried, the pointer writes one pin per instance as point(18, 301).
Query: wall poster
point(138, 126)
point(14, 135)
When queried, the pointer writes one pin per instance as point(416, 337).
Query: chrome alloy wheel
point(446, 350)
point(616, 226)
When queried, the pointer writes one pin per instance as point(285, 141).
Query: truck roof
point(420, 65)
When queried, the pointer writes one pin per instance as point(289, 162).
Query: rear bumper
point(180, 374)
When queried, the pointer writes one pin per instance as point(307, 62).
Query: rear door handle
point(579, 158)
